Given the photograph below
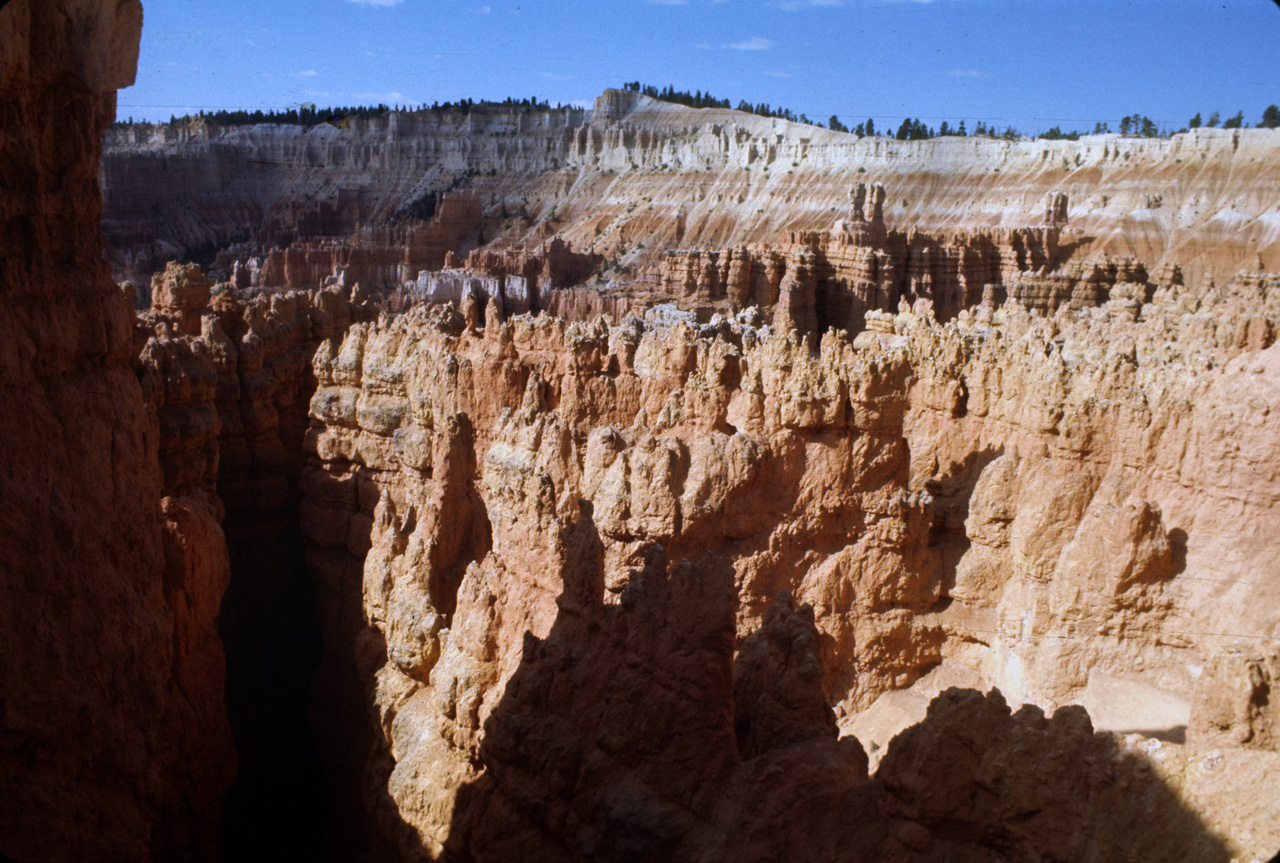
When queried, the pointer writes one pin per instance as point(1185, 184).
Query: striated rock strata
point(635, 177)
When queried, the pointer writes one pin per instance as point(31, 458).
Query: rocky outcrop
point(516, 280)
point(1038, 503)
point(232, 404)
point(113, 733)
point(288, 258)
point(820, 279)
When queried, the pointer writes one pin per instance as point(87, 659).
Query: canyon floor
point(641, 483)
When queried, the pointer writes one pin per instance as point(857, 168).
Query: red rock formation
point(820, 279)
point(113, 736)
point(530, 508)
point(385, 255)
point(622, 592)
point(232, 403)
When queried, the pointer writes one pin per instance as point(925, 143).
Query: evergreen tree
point(1236, 122)
point(913, 130)
point(835, 125)
point(1213, 120)
point(1196, 122)
point(1270, 118)
point(871, 128)
point(1056, 134)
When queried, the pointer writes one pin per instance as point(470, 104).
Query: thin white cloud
point(778, 74)
point(798, 5)
point(393, 96)
point(755, 43)
point(966, 73)
point(668, 2)
point(377, 2)
point(307, 73)
point(484, 10)
point(556, 76)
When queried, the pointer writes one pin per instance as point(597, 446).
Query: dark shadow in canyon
point(1173, 734)
point(952, 492)
point(270, 631)
point(281, 805)
point(632, 733)
point(1178, 544)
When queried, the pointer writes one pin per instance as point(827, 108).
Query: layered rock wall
point(822, 279)
point(636, 171)
point(114, 741)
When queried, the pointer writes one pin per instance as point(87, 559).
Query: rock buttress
point(113, 738)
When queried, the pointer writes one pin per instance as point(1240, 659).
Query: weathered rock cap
point(181, 292)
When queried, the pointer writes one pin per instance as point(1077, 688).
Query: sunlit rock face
point(636, 177)
point(615, 577)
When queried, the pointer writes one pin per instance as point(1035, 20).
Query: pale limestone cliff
point(636, 171)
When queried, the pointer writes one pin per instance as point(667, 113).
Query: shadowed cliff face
point(613, 741)
point(231, 382)
point(113, 736)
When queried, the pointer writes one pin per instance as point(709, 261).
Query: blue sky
point(1029, 63)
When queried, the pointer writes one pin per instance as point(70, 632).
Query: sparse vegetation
point(913, 130)
point(1056, 134)
point(677, 97)
point(1139, 126)
point(309, 115)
